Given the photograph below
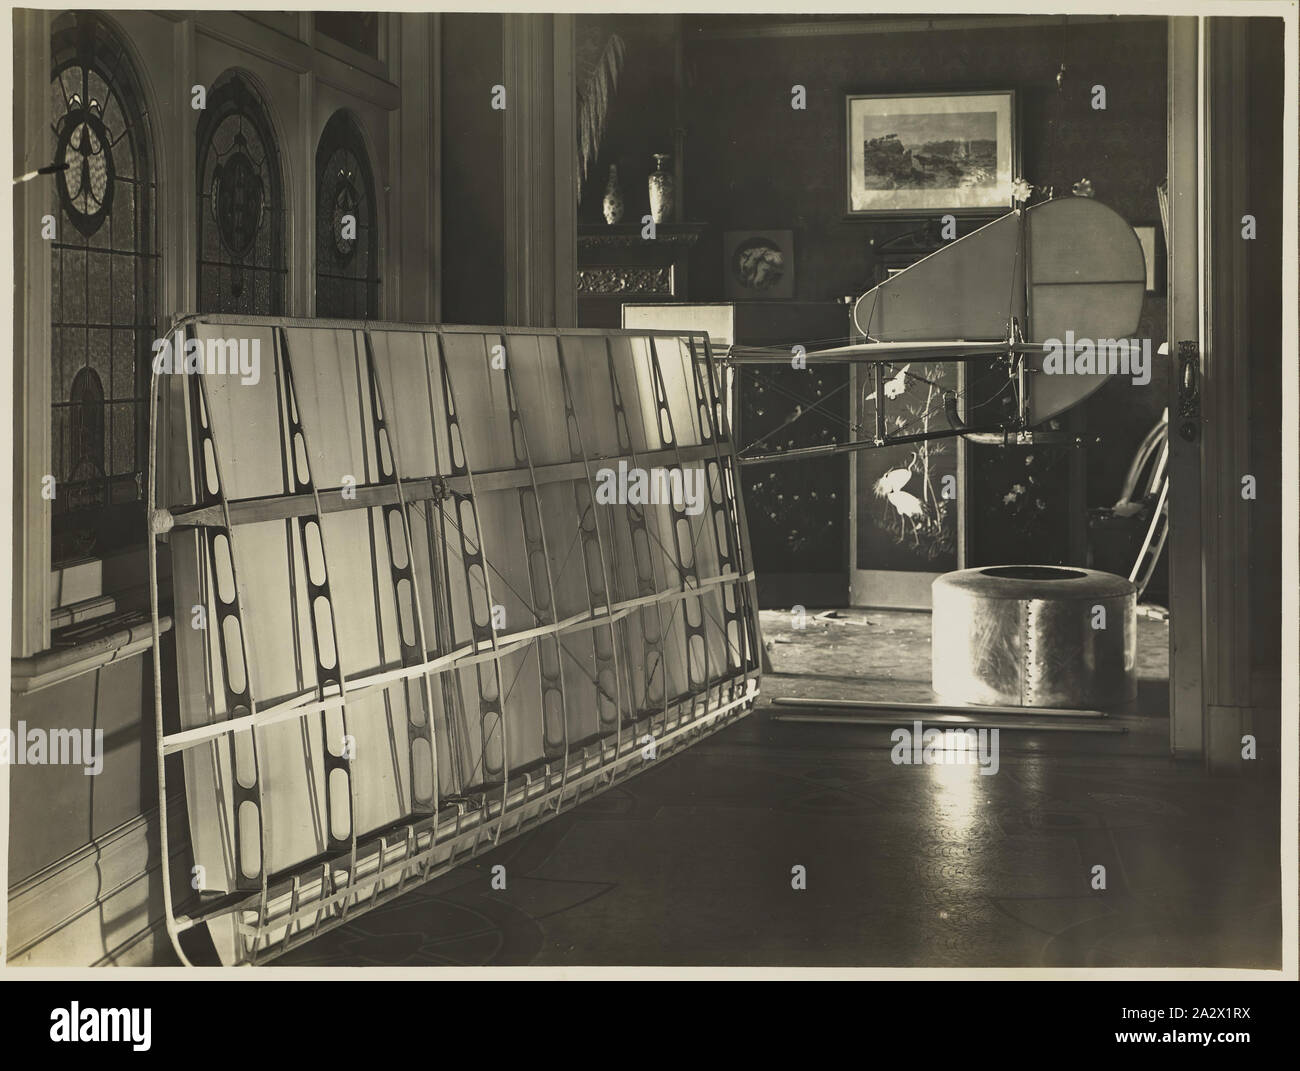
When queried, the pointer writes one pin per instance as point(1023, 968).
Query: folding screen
point(432, 585)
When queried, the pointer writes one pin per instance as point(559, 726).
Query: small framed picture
point(922, 154)
point(758, 265)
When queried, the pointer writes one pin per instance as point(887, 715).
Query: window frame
point(121, 73)
point(223, 101)
point(40, 588)
point(346, 132)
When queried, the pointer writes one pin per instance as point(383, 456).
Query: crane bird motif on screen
point(911, 511)
point(894, 386)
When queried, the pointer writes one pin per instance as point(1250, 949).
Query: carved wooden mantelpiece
point(611, 280)
point(616, 265)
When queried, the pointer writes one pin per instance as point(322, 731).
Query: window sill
point(120, 637)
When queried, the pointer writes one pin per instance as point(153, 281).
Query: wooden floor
point(690, 863)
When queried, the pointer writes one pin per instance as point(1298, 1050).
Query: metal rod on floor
point(933, 708)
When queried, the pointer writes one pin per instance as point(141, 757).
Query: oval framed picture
point(758, 265)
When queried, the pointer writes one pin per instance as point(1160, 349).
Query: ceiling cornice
point(855, 27)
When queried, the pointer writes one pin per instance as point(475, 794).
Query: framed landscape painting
point(918, 154)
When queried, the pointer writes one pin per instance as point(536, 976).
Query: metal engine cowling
point(1035, 636)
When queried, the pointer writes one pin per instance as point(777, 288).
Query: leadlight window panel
point(347, 230)
point(241, 257)
point(103, 312)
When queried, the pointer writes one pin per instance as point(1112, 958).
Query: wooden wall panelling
point(30, 560)
point(1229, 156)
point(31, 341)
point(472, 180)
point(302, 284)
point(538, 169)
point(415, 158)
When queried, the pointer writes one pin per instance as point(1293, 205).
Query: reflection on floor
point(690, 863)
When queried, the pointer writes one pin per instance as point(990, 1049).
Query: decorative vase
point(612, 205)
point(661, 189)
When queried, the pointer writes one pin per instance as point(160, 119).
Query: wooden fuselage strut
point(1011, 293)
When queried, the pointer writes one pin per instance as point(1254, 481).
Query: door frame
point(1211, 703)
point(1184, 258)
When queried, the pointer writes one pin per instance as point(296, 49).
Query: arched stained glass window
point(241, 204)
point(347, 230)
point(103, 308)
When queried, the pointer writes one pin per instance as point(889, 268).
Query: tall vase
point(612, 205)
point(661, 189)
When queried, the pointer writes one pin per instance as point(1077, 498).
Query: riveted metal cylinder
point(1034, 636)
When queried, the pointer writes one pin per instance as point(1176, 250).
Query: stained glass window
point(103, 309)
point(241, 204)
point(347, 232)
